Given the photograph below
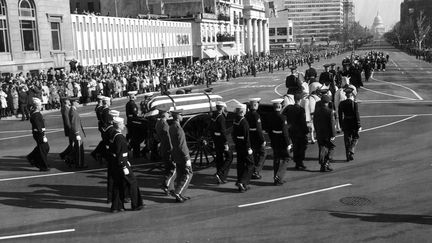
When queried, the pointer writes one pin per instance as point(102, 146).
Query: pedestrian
point(241, 138)
point(39, 156)
point(65, 108)
point(349, 120)
point(324, 123)
point(181, 157)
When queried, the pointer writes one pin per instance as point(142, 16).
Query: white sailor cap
point(132, 93)
point(221, 103)
point(37, 101)
point(99, 97)
point(277, 101)
point(252, 100)
point(240, 106)
point(114, 113)
point(118, 120)
point(104, 98)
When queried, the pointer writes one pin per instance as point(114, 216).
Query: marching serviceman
point(298, 130)
point(293, 83)
point(131, 112)
point(101, 109)
point(240, 135)
point(124, 179)
point(165, 147)
point(256, 137)
point(280, 142)
point(39, 156)
point(349, 120)
point(65, 108)
point(324, 123)
point(133, 124)
point(108, 133)
point(75, 133)
point(310, 73)
point(181, 157)
point(223, 154)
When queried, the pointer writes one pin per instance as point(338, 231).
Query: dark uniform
point(223, 158)
point(298, 130)
point(39, 156)
point(132, 124)
point(131, 112)
point(66, 126)
point(122, 182)
point(324, 123)
point(162, 132)
point(310, 73)
point(293, 84)
point(257, 141)
point(349, 120)
point(75, 133)
point(100, 149)
point(245, 165)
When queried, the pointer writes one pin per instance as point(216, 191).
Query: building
point(348, 14)
point(91, 6)
point(281, 32)
point(410, 10)
point(315, 20)
point(34, 35)
point(378, 28)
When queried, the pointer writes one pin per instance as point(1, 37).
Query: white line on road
point(389, 124)
point(378, 92)
point(36, 234)
point(383, 116)
point(399, 85)
point(28, 135)
point(276, 88)
point(293, 196)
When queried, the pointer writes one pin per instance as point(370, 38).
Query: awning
point(210, 53)
point(227, 51)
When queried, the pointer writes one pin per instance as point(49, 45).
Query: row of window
point(28, 28)
point(280, 31)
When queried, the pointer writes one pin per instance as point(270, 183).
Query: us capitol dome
point(378, 27)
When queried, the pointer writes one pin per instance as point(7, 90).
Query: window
point(271, 31)
point(55, 36)
point(28, 27)
point(281, 31)
point(4, 37)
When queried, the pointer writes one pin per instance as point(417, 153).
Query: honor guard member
point(101, 109)
point(332, 70)
point(65, 107)
point(134, 125)
point(240, 135)
point(324, 123)
point(326, 78)
point(279, 137)
point(165, 147)
point(257, 139)
point(107, 134)
point(181, 157)
point(75, 132)
point(39, 156)
point(223, 154)
point(131, 112)
point(310, 73)
point(298, 130)
point(124, 180)
point(349, 120)
point(293, 83)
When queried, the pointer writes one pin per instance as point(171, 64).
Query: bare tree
point(422, 29)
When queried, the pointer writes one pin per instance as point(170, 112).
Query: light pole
point(163, 55)
point(115, 6)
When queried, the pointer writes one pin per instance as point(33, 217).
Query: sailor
point(349, 120)
point(279, 137)
point(75, 132)
point(39, 156)
point(181, 157)
point(131, 112)
point(104, 119)
point(257, 139)
point(241, 138)
point(223, 154)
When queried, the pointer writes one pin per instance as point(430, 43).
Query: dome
point(378, 20)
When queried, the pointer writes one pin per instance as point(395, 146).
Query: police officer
point(124, 180)
point(65, 108)
point(298, 130)
point(240, 135)
point(75, 133)
point(39, 156)
point(280, 142)
point(256, 137)
point(223, 154)
point(181, 157)
point(324, 123)
point(349, 120)
point(165, 147)
point(292, 82)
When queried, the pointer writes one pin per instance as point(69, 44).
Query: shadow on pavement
point(385, 218)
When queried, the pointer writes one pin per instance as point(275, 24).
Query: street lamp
point(163, 55)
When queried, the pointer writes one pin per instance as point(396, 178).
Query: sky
point(366, 10)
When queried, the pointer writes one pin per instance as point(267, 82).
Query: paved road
point(382, 196)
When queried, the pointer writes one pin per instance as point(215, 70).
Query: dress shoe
point(300, 167)
point(241, 187)
point(138, 208)
point(256, 176)
point(278, 181)
point(328, 168)
point(185, 197)
point(44, 169)
point(31, 161)
point(179, 198)
point(219, 180)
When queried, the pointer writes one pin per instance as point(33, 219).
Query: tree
point(422, 29)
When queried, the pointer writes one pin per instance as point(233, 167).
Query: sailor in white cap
point(278, 133)
point(39, 156)
point(224, 156)
point(256, 136)
point(241, 138)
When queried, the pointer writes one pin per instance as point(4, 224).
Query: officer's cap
point(163, 109)
point(37, 101)
point(332, 64)
point(293, 67)
point(326, 65)
point(130, 93)
point(180, 91)
point(177, 112)
point(277, 101)
point(323, 91)
point(221, 103)
point(99, 97)
point(118, 120)
point(254, 100)
point(325, 98)
point(348, 90)
point(104, 98)
point(114, 113)
point(188, 90)
point(208, 90)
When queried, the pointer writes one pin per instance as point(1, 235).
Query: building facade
point(91, 6)
point(101, 39)
point(348, 14)
point(315, 20)
point(410, 10)
point(34, 35)
point(281, 32)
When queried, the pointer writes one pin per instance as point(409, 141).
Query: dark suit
point(39, 156)
point(293, 84)
point(298, 130)
point(162, 132)
point(349, 119)
point(66, 126)
point(324, 123)
point(75, 131)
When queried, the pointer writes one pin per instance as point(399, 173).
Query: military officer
point(181, 157)
point(310, 73)
point(240, 135)
point(293, 83)
point(65, 108)
point(349, 120)
point(165, 147)
point(223, 154)
point(124, 180)
point(280, 142)
point(76, 131)
point(39, 156)
point(131, 112)
point(102, 113)
point(257, 139)
point(298, 130)
point(324, 123)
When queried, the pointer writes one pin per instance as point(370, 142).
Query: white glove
point(264, 144)
point(45, 139)
point(332, 138)
point(360, 129)
point(249, 151)
point(78, 137)
point(188, 163)
point(125, 170)
point(226, 147)
point(289, 147)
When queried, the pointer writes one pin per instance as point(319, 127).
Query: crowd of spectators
point(115, 80)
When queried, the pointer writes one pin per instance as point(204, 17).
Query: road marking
point(276, 88)
point(399, 85)
point(67, 173)
point(36, 234)
point(392, 101)
point(384, 116)
point(293, 196)
point(27, 130)
point(389, 124)
point(29, 135)
point(378, 92)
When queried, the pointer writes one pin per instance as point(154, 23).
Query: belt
point(123, 155)
point(240, 137)
point(135, 122)
point(252, 129)
point(217, 134)
point(107, 146)
point(277, 132)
